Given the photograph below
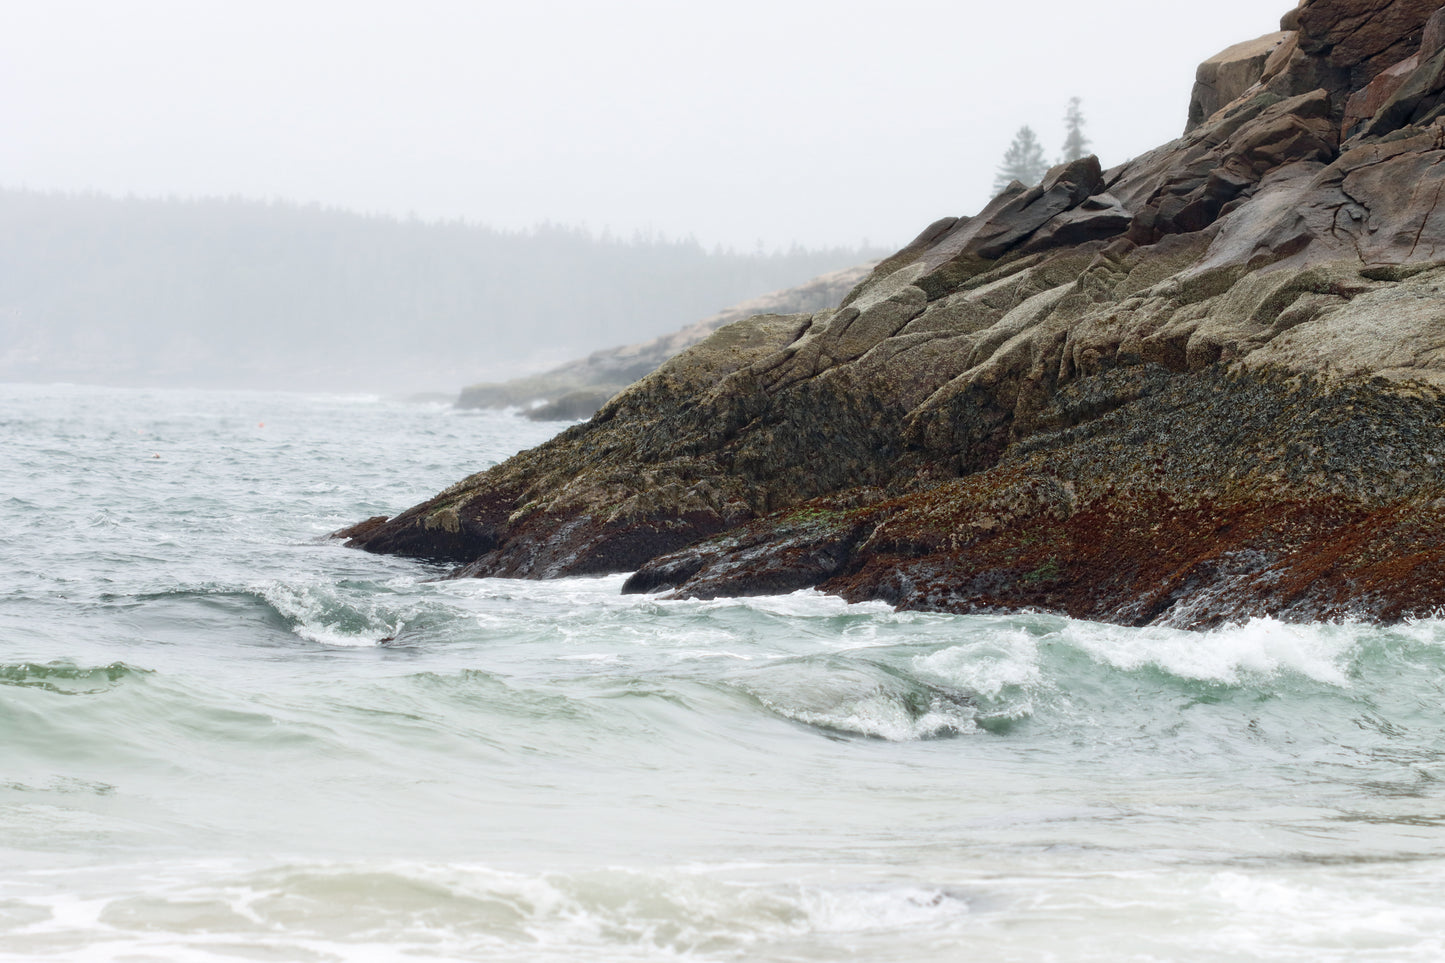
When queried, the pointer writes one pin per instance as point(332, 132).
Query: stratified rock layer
point(1201, 386)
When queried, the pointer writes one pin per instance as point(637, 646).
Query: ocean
point(224, 737)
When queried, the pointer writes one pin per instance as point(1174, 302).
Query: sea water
point(224, 737)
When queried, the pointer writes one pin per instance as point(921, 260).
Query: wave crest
point(860, 697)
point(67, 678)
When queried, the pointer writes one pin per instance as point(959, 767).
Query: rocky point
point(1201, 386)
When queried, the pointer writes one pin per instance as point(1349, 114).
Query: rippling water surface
point(226, 738)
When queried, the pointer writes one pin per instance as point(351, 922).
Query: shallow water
point(225, 737)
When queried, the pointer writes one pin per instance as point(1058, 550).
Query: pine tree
point(1023, 162)
point(1076, 145)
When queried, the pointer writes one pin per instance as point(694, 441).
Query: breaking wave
point(227, 737)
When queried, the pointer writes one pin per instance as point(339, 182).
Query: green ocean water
point(223, 737)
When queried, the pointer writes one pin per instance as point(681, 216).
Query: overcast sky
point(816, 121)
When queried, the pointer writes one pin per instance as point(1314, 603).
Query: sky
point(743, 124)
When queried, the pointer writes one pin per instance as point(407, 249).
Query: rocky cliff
point(1200, 386)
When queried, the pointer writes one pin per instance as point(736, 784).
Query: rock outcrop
point(1201, 386)
point(1229, 73)
point(579, 388)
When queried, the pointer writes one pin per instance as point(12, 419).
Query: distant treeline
point(246, 293)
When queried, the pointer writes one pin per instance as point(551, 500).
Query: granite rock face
point(1229, 73)
point(1201, 386)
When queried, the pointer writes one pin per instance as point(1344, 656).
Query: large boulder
point(1229, 73)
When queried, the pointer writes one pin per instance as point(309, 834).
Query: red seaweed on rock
point(1201, 386)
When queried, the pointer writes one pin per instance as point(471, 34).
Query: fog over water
point(366, 196)
point(223, 292)
point(820, 123)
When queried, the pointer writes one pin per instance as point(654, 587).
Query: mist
point(757, 127)
point(236, 293)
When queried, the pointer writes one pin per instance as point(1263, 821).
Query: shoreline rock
point(1201, 386)
point(1242, 497)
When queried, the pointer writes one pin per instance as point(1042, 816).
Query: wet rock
point(640, 479)
point(360, 529)
point(1251, 497)
point(796, 549)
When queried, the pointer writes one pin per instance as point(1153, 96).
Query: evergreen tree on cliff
point(1024, 161)
point(1076, 145)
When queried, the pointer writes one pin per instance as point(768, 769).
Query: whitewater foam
point(555, 771)
point(1260, 648)
point(207, 910)
point(858, 697)
point(324, 613)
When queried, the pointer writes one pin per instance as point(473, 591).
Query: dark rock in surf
point(361, 529)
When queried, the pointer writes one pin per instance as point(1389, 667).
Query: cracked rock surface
point(1204, 385)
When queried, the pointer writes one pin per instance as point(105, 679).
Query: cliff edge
point(1201, 386)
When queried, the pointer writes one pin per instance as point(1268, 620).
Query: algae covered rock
point(1199, 386)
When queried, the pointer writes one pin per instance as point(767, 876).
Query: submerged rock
point(1201, 386)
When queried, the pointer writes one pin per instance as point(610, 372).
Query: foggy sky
point(815, 121)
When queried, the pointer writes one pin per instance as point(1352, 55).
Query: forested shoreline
point(245, 293)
